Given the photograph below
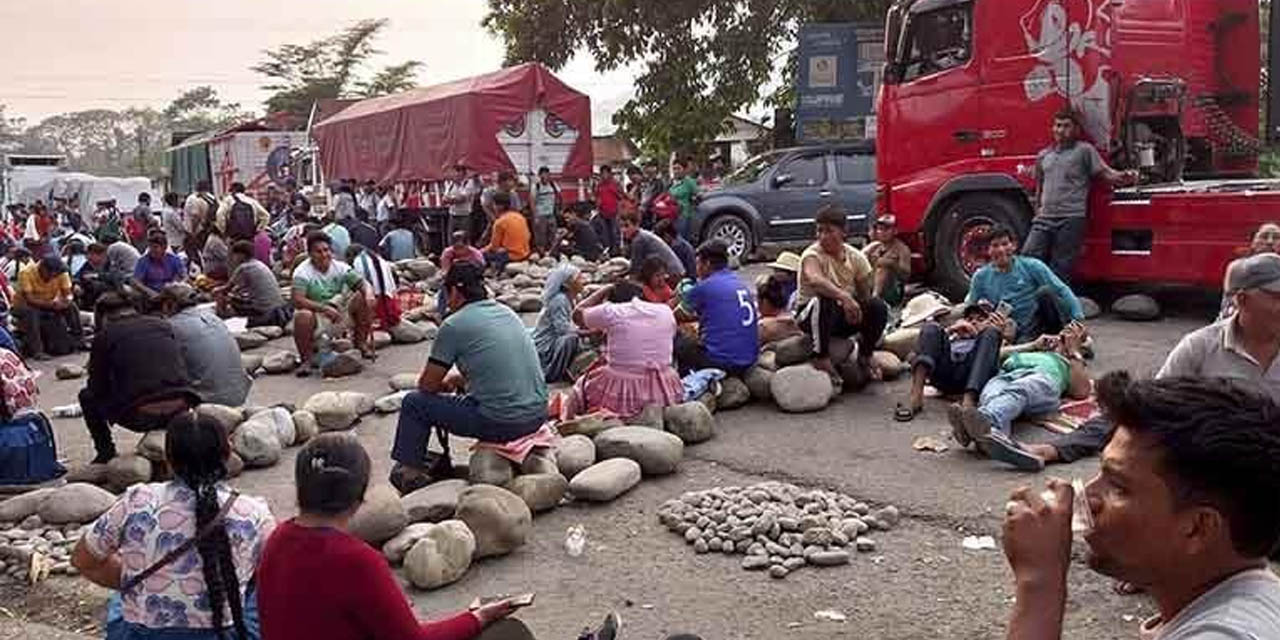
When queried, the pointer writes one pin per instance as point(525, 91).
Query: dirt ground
point(919, 583)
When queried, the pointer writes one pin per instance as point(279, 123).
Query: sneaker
point(306, 369)
point(1001, 447)
point(608, 629)
point(957, 425)
point(407, 479)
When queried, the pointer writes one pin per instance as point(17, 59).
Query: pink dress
point(636, 368)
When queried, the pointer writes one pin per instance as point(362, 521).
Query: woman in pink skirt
point(635, 370)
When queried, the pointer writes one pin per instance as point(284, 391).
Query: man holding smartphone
point(1039, 302)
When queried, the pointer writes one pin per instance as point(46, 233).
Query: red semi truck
point(1168, 87)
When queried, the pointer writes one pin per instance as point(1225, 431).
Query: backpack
point(242, 223)
point(665, 206)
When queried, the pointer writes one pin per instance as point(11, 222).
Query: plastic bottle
point(575, 541)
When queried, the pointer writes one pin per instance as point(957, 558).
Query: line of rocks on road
point(776, 527)
point(39, 529)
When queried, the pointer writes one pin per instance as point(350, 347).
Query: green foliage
point(299, 74)
point(702, 60)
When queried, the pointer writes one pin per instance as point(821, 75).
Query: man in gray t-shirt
point(1064, 173)
point(1183, 507)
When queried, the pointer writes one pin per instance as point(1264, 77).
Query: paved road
point(920, 582)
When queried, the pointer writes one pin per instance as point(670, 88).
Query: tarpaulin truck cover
point(418, 134)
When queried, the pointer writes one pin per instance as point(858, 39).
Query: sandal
point(903, 413)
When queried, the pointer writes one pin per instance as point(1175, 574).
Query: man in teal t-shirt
point(497, 393)
point(684, 189)
point(1041, 303)
point(1031, 383)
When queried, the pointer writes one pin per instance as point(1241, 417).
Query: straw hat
point(787, 261)
point(926, 306)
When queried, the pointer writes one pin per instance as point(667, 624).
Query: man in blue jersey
point(725, 309)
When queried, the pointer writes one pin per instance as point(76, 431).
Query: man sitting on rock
point(891, 259)
point(776, 321)
point(725, 309)
point(578, 237)
point(643, 244)
point(957, 360)
point(1034, 379)
point(45, 304)
point(210, 353)
point(834, 298)
point(497, 393)
point(1041, 303)
point(137, 376)
point(328, 296)
point(252, 291)
point(666, 230)
point(510, 238)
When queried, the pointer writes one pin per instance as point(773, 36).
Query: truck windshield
point(751, 170)
point(936, 41)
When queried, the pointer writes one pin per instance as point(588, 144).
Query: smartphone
point(1004, 309)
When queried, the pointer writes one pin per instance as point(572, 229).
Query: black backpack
point(242, 223)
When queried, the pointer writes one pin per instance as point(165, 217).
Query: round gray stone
point(657, 452)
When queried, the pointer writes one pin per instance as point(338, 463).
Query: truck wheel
point(957, 248)
point(734, 232)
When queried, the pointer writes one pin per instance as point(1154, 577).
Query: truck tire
point(956, 249)
point(734, 231)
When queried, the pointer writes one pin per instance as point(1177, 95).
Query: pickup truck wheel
point(734, 232)
point(958, 250)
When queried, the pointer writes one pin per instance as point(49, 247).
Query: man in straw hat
point(786, 269)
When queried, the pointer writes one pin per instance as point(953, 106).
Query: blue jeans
point(458, 414)
point(497, 259)
point(1016, 393)
point(118, 629)
point(1056, 242)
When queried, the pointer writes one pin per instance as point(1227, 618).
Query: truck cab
point(1168, 87)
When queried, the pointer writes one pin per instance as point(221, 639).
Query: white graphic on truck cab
point(1071, 60)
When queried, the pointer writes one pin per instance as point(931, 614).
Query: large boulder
point(691, 421)
point(441, 556)
point(228, 417)
point(499, 519)
point(539, 460)
point(902, 343)
point(434, 502)
point(541, 491)
point(258, 443)
point(249, 340)
point(403, 382)
point(801, 388)
point(75, 503)
point(380, 339)
point(408, 333)
point(420, 268)
point(281, 422)
point(269, 332)
point(733, 394)
point(305, 426)
point(589, 425)
point(92, 473)
point(758, 380)
point(125, 471)
point(604, 481)
point(346, 362)
point(575, 453)
point(1090, 308)
point(395, 549)
point(380, 517)
point(69, 372)
point(650, 416)
point(657, 452)
point(487, 467)
point(333, 411)
point(390, 403)
point(278, 362)
point(792, 351)
point(1137, 307)
point(363, 402)
point(251, 362)
point(151, 446)
point(23, 506)
point(891, 366)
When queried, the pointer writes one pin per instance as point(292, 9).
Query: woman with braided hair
point(181, 554)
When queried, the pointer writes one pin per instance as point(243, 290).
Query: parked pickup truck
point(773, 197)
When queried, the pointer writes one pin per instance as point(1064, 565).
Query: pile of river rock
point(39, 529)
point(775, 526)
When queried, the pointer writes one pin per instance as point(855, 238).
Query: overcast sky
point(68, 55)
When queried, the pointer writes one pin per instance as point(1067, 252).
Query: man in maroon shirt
point(608, 193)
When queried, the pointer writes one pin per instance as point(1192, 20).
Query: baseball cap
point(1255, 272)
point(887, 221)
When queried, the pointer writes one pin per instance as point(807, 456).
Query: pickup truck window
point(803, 171)
point(855, 168)
point(751, 170)
point(937, 41)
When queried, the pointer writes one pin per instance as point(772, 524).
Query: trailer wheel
point(958, 250)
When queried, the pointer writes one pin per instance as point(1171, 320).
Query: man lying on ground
point(957, 360)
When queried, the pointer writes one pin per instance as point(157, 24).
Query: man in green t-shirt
point(684, 189)
point(496, 393)
point(328, 297)
point(1033, 381)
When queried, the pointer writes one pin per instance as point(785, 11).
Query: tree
point(200, 109)
point(298, 75)
point(703, 59)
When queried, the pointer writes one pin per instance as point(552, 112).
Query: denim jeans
point(1056, 242)
point(1017, 393)
point(118, 629)
point(498, 259)
point(458, 414)
point(968, 374)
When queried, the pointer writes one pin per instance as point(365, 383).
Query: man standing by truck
point(1064, 172)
